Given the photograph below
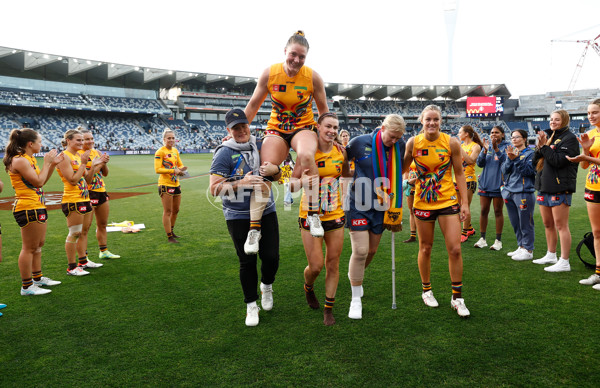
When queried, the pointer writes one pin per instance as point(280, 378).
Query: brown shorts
point(287, 137)
point(592, 196)
point(24, 217)
point(169, 190)
point(82, 208)
point(97, 198)
point(328, 226)
point(471, 186)
point(432, 215)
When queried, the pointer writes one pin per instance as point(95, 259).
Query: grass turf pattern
point(173, 314)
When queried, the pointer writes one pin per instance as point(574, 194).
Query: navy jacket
point(519, 174)
point(490, 179)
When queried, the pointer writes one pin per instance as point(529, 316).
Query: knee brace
point(74, 233)
point(39, 250)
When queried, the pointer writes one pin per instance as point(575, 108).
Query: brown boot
point(328, 318)
point(311, 299)
point(410, 239)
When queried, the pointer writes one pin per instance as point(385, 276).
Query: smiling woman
point(235, 176)
point(332, 165)
point(169, 166)
point(292, 87)
point(436, 199)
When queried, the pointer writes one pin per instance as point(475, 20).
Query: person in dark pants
point(519, 193)
point(235, 173)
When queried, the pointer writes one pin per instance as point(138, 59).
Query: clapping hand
point(585, 142)
point(512, 152)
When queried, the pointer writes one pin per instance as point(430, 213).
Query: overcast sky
point(369, 42)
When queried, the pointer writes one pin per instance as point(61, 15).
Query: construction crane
point(594, 44)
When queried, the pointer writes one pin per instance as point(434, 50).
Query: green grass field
point(166, 315)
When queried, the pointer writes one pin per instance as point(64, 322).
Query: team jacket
point(490, 179)
point(558, 174)
point(519, 174)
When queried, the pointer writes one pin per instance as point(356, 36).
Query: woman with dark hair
point(234, 173)
point(292, 87)
point(29, 208)
point(519, 193)
point(556, 181)
point(590, 142)
point(470, 147)
point(333, 164)
point(76, 204)
point(98, 198)
point(490, 181)
point(436, 200)
point(169, 167)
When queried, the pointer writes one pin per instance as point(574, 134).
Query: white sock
point(356, 291)
point(251, 304)
point(551, 254)
point(560, 258)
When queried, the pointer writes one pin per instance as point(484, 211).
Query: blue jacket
point(519, 174)
point(490, 179)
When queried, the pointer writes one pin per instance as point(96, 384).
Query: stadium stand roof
point(35, 65)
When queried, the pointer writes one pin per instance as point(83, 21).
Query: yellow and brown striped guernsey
point(469, 168)
point(78, 192)
point(165, 161)
point(592, 181)
point(434, 188)
point(27, 196)
point(291, 98)
point(97, 183)
point(330, 171)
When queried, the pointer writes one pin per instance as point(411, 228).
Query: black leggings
point(268, 251)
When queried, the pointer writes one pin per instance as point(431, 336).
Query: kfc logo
point(41, 217)
point(359, 222)
point(539, 198)
point(170, 191)
point(422, 213)
point(95, 201)
point(82, 208)
point(589, 196)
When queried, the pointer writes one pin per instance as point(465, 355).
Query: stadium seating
point(41, 99)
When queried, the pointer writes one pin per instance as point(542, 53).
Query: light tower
point(450, 11)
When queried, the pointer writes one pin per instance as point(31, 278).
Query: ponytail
point(17, 143)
